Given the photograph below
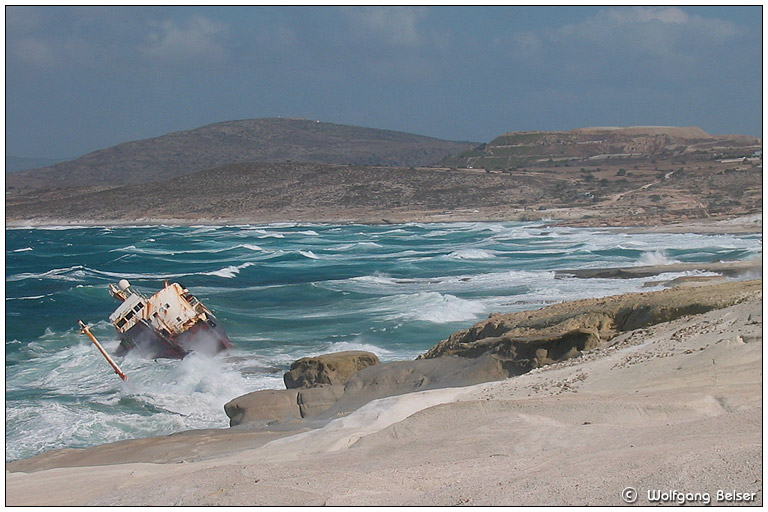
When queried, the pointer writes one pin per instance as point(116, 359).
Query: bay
point(282, 291)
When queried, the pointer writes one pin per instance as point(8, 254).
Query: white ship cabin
point(128, 313)
point(171, 309)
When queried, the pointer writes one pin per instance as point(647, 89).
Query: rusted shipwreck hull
point(169, 324)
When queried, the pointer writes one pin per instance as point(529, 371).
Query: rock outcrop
point(327, 369)
point(529, 339)
point(502, 346)
point(371, 383)
point(313, 385)
point(263, 405)
point(399, 377)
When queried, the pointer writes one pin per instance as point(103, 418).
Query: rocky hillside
point(286, 191)
point(587, 145)
point(252, 140)
point(649, 178)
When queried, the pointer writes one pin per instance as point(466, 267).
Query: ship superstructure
point(170, 324)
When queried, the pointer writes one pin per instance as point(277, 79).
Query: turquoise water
point(282, 291)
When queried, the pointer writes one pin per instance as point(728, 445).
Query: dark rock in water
point(336, 368)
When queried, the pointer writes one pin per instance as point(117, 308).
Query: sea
point(282, 292)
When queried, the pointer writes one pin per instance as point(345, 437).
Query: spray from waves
point(25, 249)
point(78, 402)
point(655, 258)
point(196, 387)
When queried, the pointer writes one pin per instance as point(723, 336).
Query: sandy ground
point(674, 408)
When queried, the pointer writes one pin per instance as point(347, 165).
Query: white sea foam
point(430, 307)
point(230, 271)
point(357, 245)
point(25, 249)
point(359, 344)
point(309, 254)
point(472, 254)
point(73, 273)
point(32, 297)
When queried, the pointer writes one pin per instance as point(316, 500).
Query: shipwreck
point(169, 324)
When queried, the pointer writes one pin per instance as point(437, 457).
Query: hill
point(252, 140)
point(260, 192)
point(678, 174)
point(648, 194)
point(586, 145)
point(21, 163)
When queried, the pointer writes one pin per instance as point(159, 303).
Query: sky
point(79, 79)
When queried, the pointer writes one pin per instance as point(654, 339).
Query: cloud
point(396, 26)
point(197, 38)
point(33, 52)
point(660, 31)
point(671, 15)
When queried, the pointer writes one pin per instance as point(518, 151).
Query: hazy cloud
point(32, 51)
point(393, 25)
point(656, 30)
point(197, 38)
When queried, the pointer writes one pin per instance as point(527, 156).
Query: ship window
point(167, 306)
point(120, 322)
point(178, 319)
point(129, 315)
point(138, 307)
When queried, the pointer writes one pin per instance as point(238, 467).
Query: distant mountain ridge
point(22, 163)
point(251, 140)
point(532, 148)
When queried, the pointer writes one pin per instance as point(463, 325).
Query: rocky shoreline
point(335, 406)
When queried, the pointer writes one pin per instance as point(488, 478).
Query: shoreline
point(746, 224)
point(667, 363)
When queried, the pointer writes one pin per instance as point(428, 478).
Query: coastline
point(566, 218)
point(622, 404)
